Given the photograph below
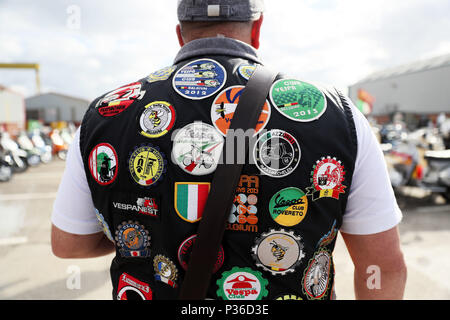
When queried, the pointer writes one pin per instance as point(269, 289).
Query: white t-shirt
point(371, 208)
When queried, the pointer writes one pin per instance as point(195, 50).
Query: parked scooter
point(402, 161)
point(427, 138)
point(33, 154)
point(19, 156)
point(393, 133)
point(60, 147)
point(45, 149)
point(6, 164)
point(437, 175)
point(444, 130)
point(67, 136)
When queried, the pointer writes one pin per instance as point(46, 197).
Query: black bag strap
point(221, 195)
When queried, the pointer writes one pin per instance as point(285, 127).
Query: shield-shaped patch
point(190, 199)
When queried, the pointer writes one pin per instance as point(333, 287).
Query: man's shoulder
point(311, 88)
point(122, 91)
point(134, 90)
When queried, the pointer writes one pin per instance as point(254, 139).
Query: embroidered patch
point(278, 251)
point(243, 216)
point(197, 148)
point(329, 237)
point(277, 153)
point(161, 75)
point(242, 284)
point(104, 225)
point(288, 297)
point(185, 250)
point(199, 79)
point(246, 70)
point(317, 276)
point(103, 164)
point(147, 165)
point(224, 105)
point(327, 177)
point(190, 200)
point(165, 270)
point(157, 119)
point(288, 207)
point(133, 240)
point(120, 99)
point(298, 100)
point(130, 288)
point(147, 206)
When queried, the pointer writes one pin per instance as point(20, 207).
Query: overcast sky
point(87, 47)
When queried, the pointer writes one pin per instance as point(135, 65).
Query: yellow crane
point(34, 66)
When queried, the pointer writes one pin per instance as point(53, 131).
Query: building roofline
point(3, 88)
point(58, 94)
point(409, 68)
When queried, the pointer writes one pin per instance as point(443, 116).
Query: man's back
point(163, 137)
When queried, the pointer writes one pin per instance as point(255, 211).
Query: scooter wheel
point(5, 173)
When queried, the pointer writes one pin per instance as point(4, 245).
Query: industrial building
point(53, 107)
point(416, 89)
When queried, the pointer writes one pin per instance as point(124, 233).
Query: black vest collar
point(217, 46)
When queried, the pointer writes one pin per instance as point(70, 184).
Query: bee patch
point(278, 251)
point(156, 119)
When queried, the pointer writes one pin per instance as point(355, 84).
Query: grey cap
point(220, 10)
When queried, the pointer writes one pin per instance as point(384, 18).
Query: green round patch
point(298, 100)
point(288, 207)
point(242, 284)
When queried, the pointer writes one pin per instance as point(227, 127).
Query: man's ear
point(256, 32)
point(180, 36)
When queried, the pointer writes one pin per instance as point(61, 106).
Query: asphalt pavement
point(28, 269)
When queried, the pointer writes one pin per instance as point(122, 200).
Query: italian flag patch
point(190, 199)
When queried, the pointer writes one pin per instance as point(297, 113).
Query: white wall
point(12, 108)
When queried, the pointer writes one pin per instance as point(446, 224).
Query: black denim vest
point(289, 203)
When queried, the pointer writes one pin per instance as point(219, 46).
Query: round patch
point(246, 70)
point(278, 251)
point(327, 177)
point(147, 165)
point(161, 75)
point(223, 107)
point(133, 240)
point(157, 119)
point(185, 250)
point(298, 100)
point(165, 270)
point(317, 276)
point(120, 99)
point(288, 207)
point(242, 284)
point(103, 164)
point(197, 148)
point(277, 153)
point(199, 79)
